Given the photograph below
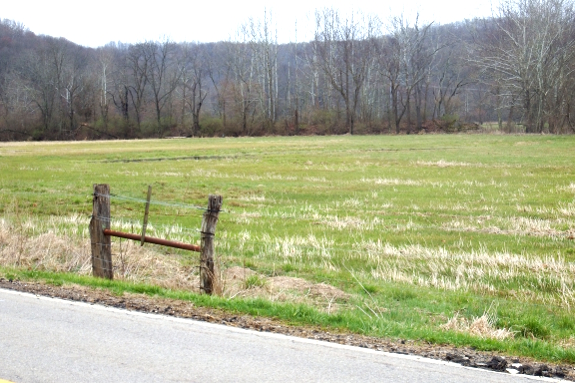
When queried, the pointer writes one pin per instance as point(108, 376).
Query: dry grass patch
point(447, 164)
point(514, 225)
point(570, 188)
point(532, 226)
point(67, 249)
point(568, 342)
point(252, 198)
point(245, 218)
point(60, 248)
point(482, 327)
point(547, 279)
point(567, 210)
point(391, 182)
point(347, 223)
point(244, 282)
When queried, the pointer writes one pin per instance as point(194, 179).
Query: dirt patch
point(195, 158)
point(142, 303)
point(237, 274)
point(299, 285)
point(321, 295)
point(244, 282)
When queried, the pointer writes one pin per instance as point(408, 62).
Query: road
point(52, 340)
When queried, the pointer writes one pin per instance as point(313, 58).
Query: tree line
point(358, 75)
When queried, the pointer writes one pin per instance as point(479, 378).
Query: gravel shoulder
point(465, 356)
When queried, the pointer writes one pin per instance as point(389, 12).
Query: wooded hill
point(359, 75)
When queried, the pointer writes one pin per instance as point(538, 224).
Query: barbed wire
point(152, 202)
point(116, 197)
point(250, 243)
point(153, 227)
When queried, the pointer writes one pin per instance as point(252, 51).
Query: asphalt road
point(52, 340)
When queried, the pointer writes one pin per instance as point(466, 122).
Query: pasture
point(459, 239)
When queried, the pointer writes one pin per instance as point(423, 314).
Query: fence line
point(152, 202)
point(100, 234)
point(257, 243)
point(121, 198)
point(151, 226)
point(117, 197)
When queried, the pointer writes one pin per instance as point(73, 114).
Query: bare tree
point(243, 87)
point(343, 48)
point(528, 48)
point(17, 109)
point(42, 72)
point(161, 75)
point(194, 72)
point(104, 64)
point(139, 63)
point(414, 55)
point(263, 42)
point(220, 74)
point(451, 79)
point(73, 83)
point(389, 53)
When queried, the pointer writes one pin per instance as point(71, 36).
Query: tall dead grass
point(548, 280)
point(482, 327)
point(62, 244)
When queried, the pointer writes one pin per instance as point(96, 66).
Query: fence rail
point(156, 241)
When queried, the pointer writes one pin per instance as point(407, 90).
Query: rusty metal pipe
point(157, 241)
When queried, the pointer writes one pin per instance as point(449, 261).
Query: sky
point(96, 23)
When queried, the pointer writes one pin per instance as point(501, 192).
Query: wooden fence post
point(209, 222)
point(146, 215)
point(101, 244)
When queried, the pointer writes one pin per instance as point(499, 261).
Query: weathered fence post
point(146, 215)
point(101, 243)
point(209, 222)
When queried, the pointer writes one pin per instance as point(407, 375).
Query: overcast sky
point(95, 23)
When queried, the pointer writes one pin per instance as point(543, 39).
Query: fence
point(101, 242)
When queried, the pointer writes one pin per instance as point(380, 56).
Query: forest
point(360, 74)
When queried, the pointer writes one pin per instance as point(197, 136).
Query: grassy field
point(460, 239)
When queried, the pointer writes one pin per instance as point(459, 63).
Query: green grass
point(414, 228)
point(254, 281)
